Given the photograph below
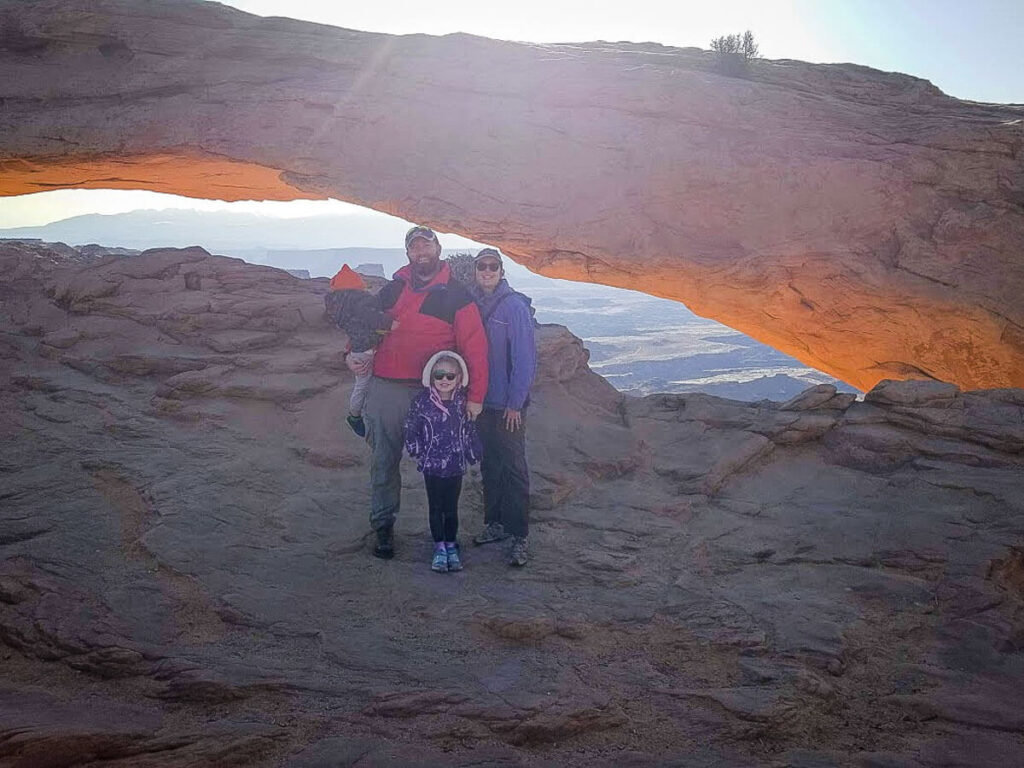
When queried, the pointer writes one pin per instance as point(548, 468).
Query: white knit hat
point(440, 355)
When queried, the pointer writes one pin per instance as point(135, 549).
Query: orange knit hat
point(346, 279)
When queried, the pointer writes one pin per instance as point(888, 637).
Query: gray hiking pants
point(387, 403)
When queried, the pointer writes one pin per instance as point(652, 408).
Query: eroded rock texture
point(185, 575)
point(861, 221)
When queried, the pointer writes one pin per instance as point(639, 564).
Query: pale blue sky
point(971, 50)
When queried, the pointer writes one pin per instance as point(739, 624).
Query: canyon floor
point(186, 579)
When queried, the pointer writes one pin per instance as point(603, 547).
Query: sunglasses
point(493, 266)
point(438, 375)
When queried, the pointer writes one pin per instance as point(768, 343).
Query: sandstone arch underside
point(861, 221)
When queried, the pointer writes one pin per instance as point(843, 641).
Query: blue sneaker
point(454, 561)
point(440, 561)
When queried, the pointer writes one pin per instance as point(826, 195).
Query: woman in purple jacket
point(512, 362)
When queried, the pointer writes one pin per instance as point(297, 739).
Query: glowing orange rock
point(860, 221)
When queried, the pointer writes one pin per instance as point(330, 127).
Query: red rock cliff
point(861, 221)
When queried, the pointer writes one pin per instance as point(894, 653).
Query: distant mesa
point(94, 249)
point(372, 270)
point(222, 231)
point(324, 262)
point(300, 273)
point(861, 221)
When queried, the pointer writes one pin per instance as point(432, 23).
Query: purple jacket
point(512, 350)
point(443, 443)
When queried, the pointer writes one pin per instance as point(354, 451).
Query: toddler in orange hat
point(358, 313)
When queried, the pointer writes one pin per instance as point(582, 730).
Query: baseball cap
point(488, 252)
point(418, 231)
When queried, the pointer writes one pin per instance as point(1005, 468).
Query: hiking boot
point(491, 532)
point(454, 560)
point(357, 424)
point(385, 548)
point(440, 561)
point(518, 554)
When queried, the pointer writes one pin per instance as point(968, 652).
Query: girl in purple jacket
point(444, 441)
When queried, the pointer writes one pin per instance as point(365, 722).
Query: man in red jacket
point(433, 312)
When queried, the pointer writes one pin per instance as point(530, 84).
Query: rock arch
point(861, 221)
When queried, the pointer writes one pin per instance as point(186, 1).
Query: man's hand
point(513, 419)
point(473, 410)
point(359, 367)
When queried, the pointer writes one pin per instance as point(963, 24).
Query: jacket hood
point(437, 356)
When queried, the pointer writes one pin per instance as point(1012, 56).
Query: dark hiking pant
point(443, 501)
point(387, 403)
point(506, 478)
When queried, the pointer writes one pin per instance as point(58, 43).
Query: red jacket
point(441, 315)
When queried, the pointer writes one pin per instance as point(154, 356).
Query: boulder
point(186, 578)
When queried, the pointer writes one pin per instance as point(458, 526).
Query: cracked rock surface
point(185, 576)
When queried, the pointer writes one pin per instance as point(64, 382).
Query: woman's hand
point(473, 410)
point(513, 419)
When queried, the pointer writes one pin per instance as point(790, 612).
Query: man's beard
point(425, 268)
